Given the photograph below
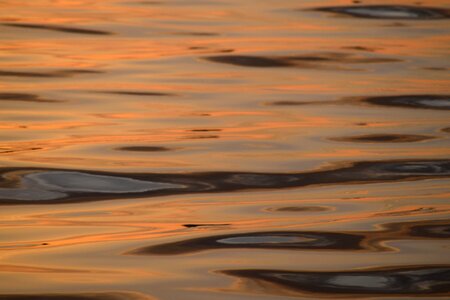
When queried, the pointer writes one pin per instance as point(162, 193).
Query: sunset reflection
point(224, 149)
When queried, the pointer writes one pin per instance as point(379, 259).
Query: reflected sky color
point(127, 101)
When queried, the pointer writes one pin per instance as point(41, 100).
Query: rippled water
point(224, 149)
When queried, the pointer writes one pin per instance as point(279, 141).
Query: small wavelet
point(55, 184)
point(373, 241)
point(283, 240)
point(145, 149)
point(299, 209)
point(52, 185)
point(328, 60)
point(390, 12)
point(57, 28)
point(405, 281)
point(26, 98)
point(425, 101)
point(138, 93)
point(440, 102)
point(204, 225)
point(47, 74)
point(82, 182)
point(384, 138)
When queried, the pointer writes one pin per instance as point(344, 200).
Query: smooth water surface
point(224, 149)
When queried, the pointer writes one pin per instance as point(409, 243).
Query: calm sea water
point(224, 149)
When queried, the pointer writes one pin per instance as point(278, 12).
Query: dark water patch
point(411, 212)
point(373, 241)
point(360, 48)
point(25, 98)
point(41, 185)
point(338, 57)
point(425, 101)
point(299, 209)
point(389, 12)
point(290, 103)
point(225, 51)
point(24, 74)
point(211, 50)
point(287, 240)
point(384, 138)
point(78, 296)
point(436, 69)
point(49, 74)
point(19, 246)
point(203, 225)
point(137, 93)
point(145, 149)
point(414, 230)
point(416, 168)
point(205, 130)
point(250, 61)
point(60, 185)
point(440, 102)
point(395, 24)
point(403, 281)
point(431, 231)
point(259, 180)
point(194, 33)
point(198, 48)
point(308, 61)
point(57, 28)
point(201, 137)
point(6, 150)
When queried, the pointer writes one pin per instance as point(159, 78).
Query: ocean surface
point(224, 149)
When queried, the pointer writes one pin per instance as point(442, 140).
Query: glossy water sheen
point(224, 149)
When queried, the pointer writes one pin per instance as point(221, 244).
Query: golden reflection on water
point(265, 90)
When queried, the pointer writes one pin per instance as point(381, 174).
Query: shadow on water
point(286, 240)
point(329, 60)
point(28, 185)
point(78, 296)
point(196, 33)
point(50, 74)
point(360, 48)
point(299, 209)
point(441, 102)
point(136, 93)
point(436, 69)
point(145, 149)
point(202, 137)
point(6, 150)
point(203, 225)
point(384, 138)
point(412, 212)
point(205, 130)
point(430, 101)
point(25, 98)
point(57, 28)
point(307, 240)
point(406, 281)
point(389, 12)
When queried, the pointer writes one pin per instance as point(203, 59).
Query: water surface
point(224, 149)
